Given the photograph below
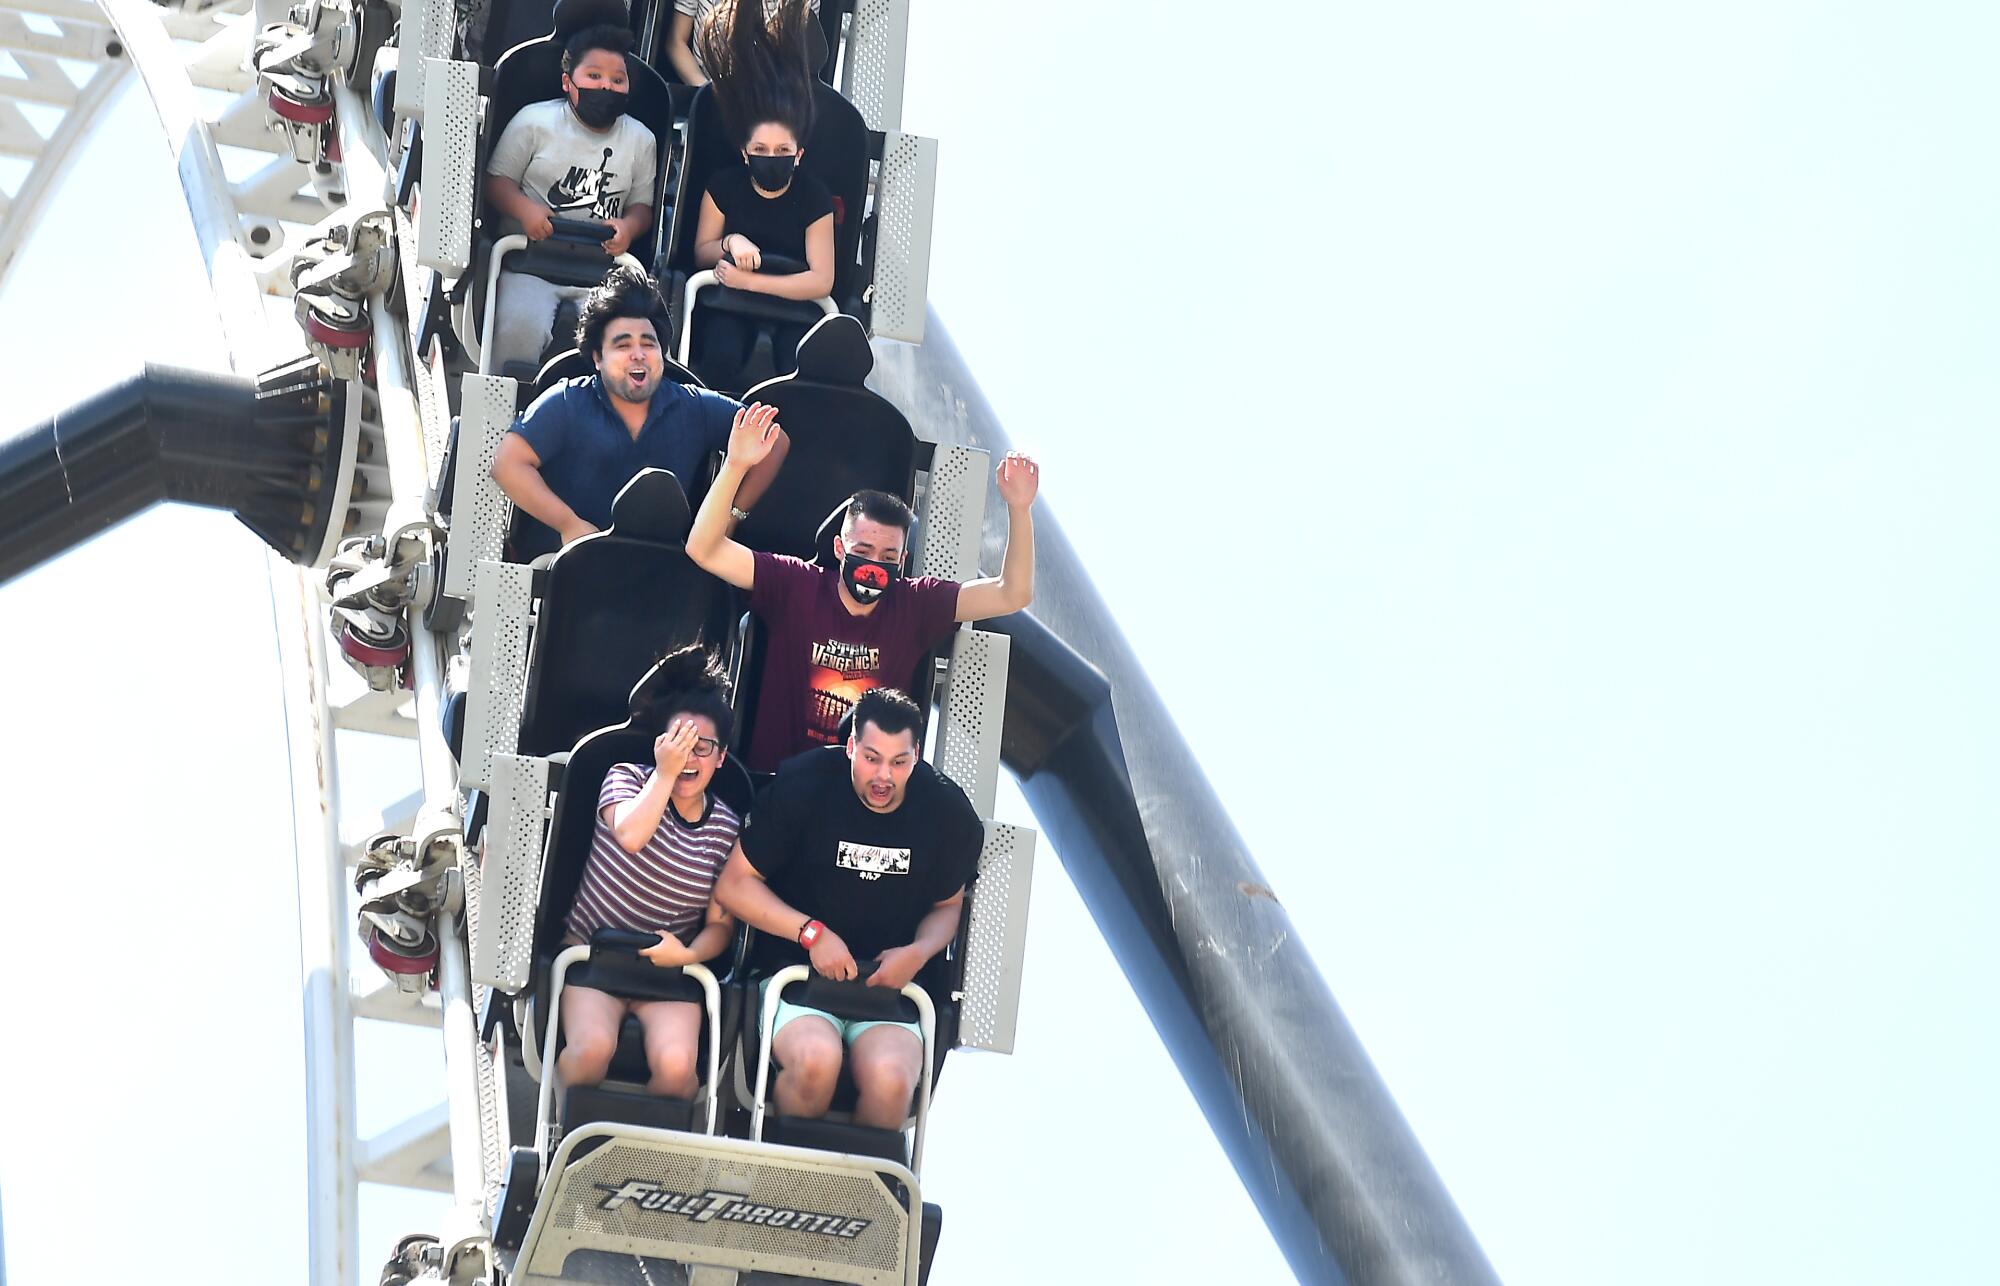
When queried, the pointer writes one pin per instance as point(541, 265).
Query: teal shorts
point(846, 1028)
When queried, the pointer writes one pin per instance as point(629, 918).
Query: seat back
point(614, 603)
point(836, 155)
point(844, 438)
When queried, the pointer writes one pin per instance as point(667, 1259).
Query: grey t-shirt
point(576, 171)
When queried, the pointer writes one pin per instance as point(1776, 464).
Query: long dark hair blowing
point(688, 680)
point(760, 66)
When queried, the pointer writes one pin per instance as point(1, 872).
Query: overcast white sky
point(1597, 401)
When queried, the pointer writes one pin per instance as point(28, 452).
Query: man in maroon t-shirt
point(834, 635)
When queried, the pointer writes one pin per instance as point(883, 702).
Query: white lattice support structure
point(503, 947)
point(905, 197)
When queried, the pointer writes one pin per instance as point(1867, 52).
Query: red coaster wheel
point(391, 958)
point(389, 654)
point(285, 107)
point(324, 331)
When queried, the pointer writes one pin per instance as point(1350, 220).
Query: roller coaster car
point(630, 1174)
point(573, 258)
point(836, 154)
point(612, 604)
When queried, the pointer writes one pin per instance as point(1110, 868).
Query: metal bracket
point(403, 884)
point(332, 277)
point(372, 582)
point(297, 62)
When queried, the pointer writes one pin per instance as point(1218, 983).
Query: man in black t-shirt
point(855, 860)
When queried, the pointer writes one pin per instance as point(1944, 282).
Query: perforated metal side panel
point(505, 592)
point(479, 509)
point(493, 1140)
point(433, 409)
point(503, 942)
point(906, 193)
point(871, 78)
point(717, 1199)
point(426, 34)
point(451, 145)
point(997, 939)
point(974, 705)
point(951, 514)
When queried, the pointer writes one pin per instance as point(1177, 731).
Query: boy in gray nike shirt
point(575, 157)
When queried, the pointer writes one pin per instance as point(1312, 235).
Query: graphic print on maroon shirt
point(819, 658)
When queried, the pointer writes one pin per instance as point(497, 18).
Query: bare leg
point(590, 1034)
point(809, 1049)
point(673, 1040)
point(887, 1062)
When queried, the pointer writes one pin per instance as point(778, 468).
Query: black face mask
point(866, 578)
point(771, 173)
point(598, 108)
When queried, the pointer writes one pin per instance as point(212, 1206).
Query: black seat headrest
point(572, 16)
point(835, 351)
point(652, 507)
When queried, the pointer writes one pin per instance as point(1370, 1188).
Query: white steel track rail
point(321, 724)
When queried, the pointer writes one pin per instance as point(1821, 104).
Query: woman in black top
point(761, 76)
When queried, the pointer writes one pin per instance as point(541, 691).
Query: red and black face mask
point(866, 578)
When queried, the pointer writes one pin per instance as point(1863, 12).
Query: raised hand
point(672, 748)
point(752, 435)
point(1019, 478)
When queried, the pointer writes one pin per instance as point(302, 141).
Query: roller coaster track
point(1281, 1078)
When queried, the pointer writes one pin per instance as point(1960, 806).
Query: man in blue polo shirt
point(571, 452)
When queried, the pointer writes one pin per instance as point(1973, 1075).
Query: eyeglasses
point(705, 747)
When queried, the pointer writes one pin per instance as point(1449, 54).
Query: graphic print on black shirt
point(872, 861)
point(583, 191)
point(870, 877)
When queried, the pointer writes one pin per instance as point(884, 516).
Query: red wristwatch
point(809, 934)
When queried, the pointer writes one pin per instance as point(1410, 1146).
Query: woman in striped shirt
point(659, 842)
